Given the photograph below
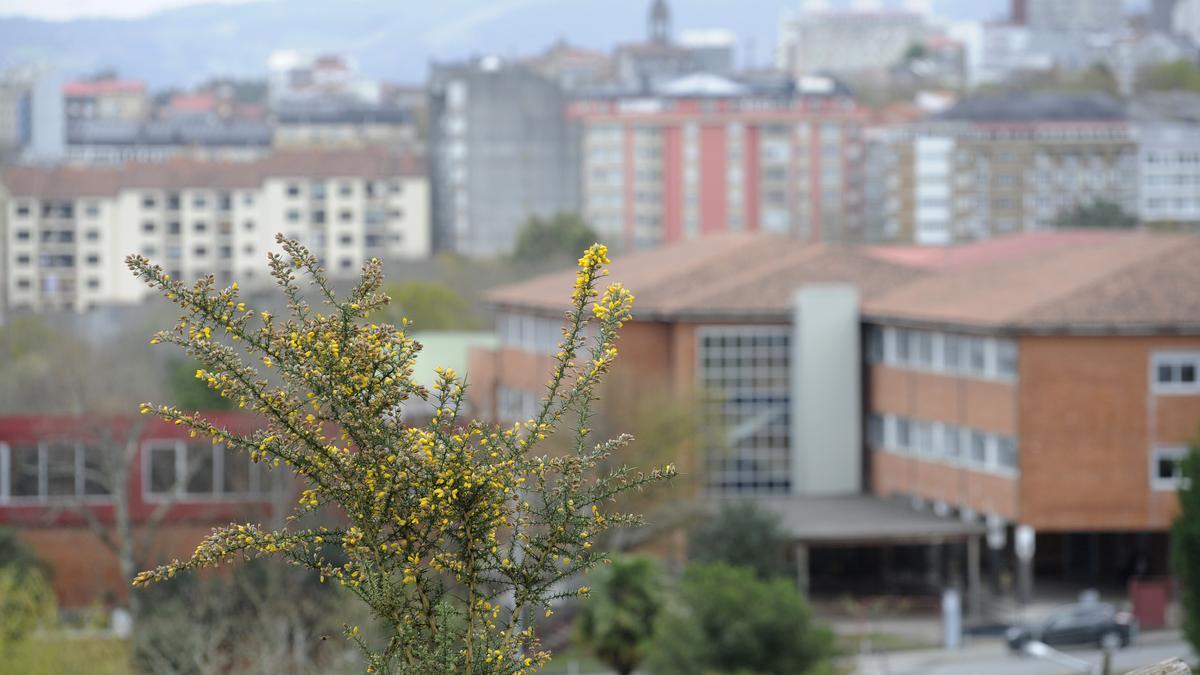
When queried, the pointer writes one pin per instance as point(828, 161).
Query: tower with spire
point(660, 22)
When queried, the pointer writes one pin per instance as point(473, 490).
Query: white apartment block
point(69, 229)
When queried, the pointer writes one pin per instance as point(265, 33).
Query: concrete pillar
point(802, 568)
point(1024, 538)
point(933, 565)
point(974, 589)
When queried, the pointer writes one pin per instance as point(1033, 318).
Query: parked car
point(1099, 624)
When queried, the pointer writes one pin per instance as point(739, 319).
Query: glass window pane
point(95, 478)
point(23, 468)
point(1166, 373)
point(199, 469)
point(236, 473)
point(1187, 373)
point(60, 469)
point(162, 469)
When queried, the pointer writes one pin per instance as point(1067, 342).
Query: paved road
point(991, 658)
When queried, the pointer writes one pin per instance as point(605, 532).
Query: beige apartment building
point(70, 228)
point(992, 166)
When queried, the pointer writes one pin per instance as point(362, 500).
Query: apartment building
point(1168, 157)
point(58, 480)
point(501, 151)
point(105, 99)
point(815, 40)
point(1051, 391)
point(307, 126)
point(1036, 388)
point(996, 165)
point(71, 227)
point(707, 154)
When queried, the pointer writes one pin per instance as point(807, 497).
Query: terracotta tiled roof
point(720, 276)
point(99, 87)
point(69, 182)
point(1084, 281)
point(1125, 281)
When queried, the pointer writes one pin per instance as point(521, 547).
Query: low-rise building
point(71, 227)
point(58, 490)
point(1047, 384)
point(105, 99)
point(1040, 388)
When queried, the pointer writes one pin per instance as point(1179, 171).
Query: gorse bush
point(454, 532)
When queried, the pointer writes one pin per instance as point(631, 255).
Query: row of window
point(1175, 372)
point(975, 356)
point(938, 441)
point(69, 471)
point(534, 334)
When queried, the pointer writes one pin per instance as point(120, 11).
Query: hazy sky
point(71, 9)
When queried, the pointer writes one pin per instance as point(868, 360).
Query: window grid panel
point(745, 372)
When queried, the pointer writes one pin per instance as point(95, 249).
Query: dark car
point(1097, 624)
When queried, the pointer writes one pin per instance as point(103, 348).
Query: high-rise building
point(847, 42)
point(69, 228)
point(708, 154)
point(1076, 16)
point(998, 164)
point(502, 151)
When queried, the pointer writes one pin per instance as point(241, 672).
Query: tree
point(1185, 545)
point(451, 533)
point(742, 535)
point(1100, 214)
point(562, 235)
point(429, 305)
point(618, 620)
point(1181, 75)
point(188, 392)
point(729, 621)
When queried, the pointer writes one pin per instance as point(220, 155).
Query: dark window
point(199, 201)
point(23, 259)
point(224, 201)
point(293, 216)
point(23, 283)
point(346, 263)
point(23, 209)
point(24, 468)
point(162, 469)
point(345, 215)
point(148, 201)
point(1166, 373)
point(148, 226)
point(236, 472)
point(1187, 373)
point(346, 239)
point(318, 216)
point(60, 469)
point(93, 282)
point(200, 226)
point(200, 251)
point(95, 480)
point(173, 227)
point(345, 189)
point(200, 469)
point(248, 225)
point(93, 235)
point(93, 259)
point(225, 251)
point(22, 235)
point(293, 189)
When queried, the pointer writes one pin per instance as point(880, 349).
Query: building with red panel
point(58, 477)
point(704, 154)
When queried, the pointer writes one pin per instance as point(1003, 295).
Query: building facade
point(993, 166)
point(816, 41)
point(501, 151)
point(70, 228)
point(59, 480)
point(1068, 16)
point(706, 154)
point(1039, 388)
point(1051, 392)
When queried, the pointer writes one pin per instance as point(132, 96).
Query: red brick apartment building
point(1038, 386)
point(52, 490)
point(707, 154)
